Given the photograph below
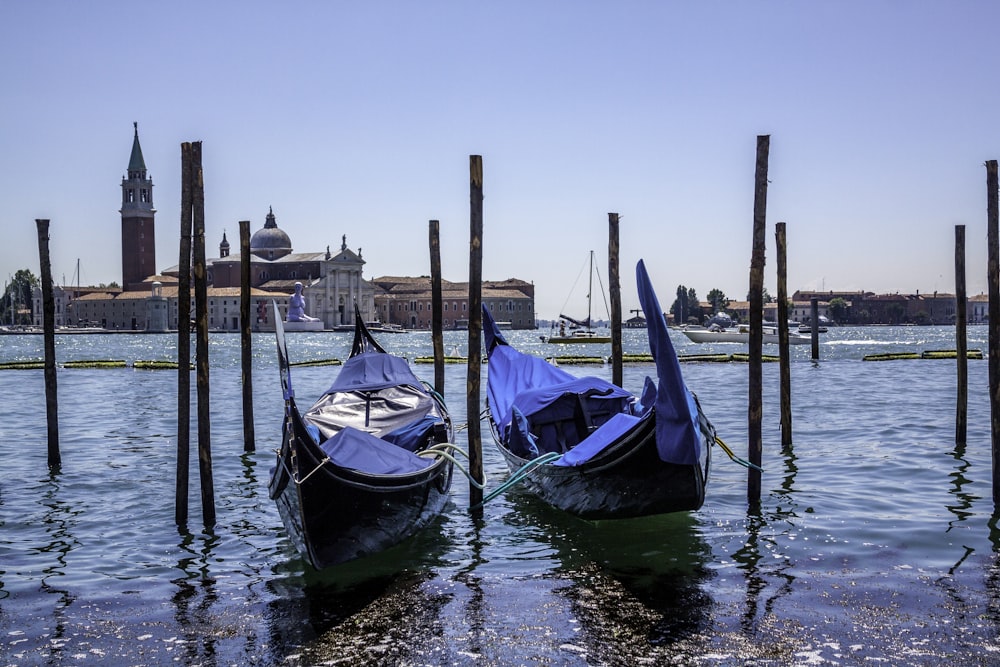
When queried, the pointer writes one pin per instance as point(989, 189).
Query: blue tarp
point(351, 448)
point(609, 431)
point(677, 439)
point(372, 371)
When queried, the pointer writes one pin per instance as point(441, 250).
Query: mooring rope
point(734, 458)
point(519, 476)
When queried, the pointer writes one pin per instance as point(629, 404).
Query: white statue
point(297, 307)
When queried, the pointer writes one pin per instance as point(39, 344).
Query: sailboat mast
point(590, 287)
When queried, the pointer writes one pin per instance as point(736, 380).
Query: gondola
point(594, 449)
point(362, 469)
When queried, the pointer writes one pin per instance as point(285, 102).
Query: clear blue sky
point(358, 118)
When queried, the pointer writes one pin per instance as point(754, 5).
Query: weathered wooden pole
point(201, 337)
point(784, 358)
point(475, 326)
point(615, 288)
point(755, 411)
point(814, 318)
point(184, 343)
point(49, 343)
point(961, 341)
point(993, 271)
point(437, 324)
point(246, 338)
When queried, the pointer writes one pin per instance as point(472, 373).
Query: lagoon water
point(876, 542)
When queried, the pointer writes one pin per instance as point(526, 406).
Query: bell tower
point(138, 238)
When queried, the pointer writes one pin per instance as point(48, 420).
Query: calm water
point(876, 542)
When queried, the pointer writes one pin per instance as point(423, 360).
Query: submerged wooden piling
point(756, 346)
point(615, 289)
point(246, 339)
point(49, 343)
point(961, 340)
point(814, 318)
point(784, 356)
point(993, 278)
point(184, 344)
point(475, 326)
point(201, 337)
point(437, 317)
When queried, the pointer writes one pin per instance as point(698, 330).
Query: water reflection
point(59, 523)
point(195, 597)
point(962, 509)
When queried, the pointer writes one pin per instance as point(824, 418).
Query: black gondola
point(598, 451)
point(362, 469)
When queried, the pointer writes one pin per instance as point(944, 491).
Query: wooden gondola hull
point(627, 480)
point(334, 514)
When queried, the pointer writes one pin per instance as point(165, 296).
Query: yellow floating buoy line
point(742, 357)
point(927, 354)
point(317, 362)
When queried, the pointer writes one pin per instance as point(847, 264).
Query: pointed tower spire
point(224, 246)
point(136, 165)
point(138, 214)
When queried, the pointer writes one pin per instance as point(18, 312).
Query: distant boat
point(362, 469)
point(580, 331)
point(740, 334)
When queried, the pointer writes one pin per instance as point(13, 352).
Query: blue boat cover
point(531, 383)
point(357, 450)
point(371, 371)
point(594, 444)
point(677, 439)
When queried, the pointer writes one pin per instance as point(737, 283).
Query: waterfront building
point(406, 301)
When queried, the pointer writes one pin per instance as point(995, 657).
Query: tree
point(16, 304)
point(679, 308)
point(767, 297)
point(838, 309)
point(718, 299)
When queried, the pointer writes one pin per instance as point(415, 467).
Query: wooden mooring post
point(246, 338)
point(993, 278)
point(49, 344)
point(784, 357)
point(184, 343)
point(756, 346)
point(814, 318)
point(201, 337)
point(437, 299)
point(475, 327)
point(615, 288)
point(961, 340)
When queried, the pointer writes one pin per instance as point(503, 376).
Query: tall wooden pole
point(49, 335)
point(615, 287)
point(784, 357)
point(246, 338)
point(755, 411)
point(993, 270)
point(201, 338)
point(961, 341)
point(814, 318)
point(437, 324)
point(475, 325)
point(184, 343)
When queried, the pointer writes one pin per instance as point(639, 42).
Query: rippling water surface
point(876, 542)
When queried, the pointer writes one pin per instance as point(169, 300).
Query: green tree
point(767, 296)
point(718, 299)
point(838, 309)
point(16, 303)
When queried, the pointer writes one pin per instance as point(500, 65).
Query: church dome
point(270, 242)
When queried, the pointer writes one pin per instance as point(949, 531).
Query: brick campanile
point(138, 237)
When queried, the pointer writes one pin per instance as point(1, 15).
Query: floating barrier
point(740, 357)
point(928, 354)
point(157, 365)
point(579, 361)
point(95, 363)
point(447, 360)
point(317, 362)
point(29, 365)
